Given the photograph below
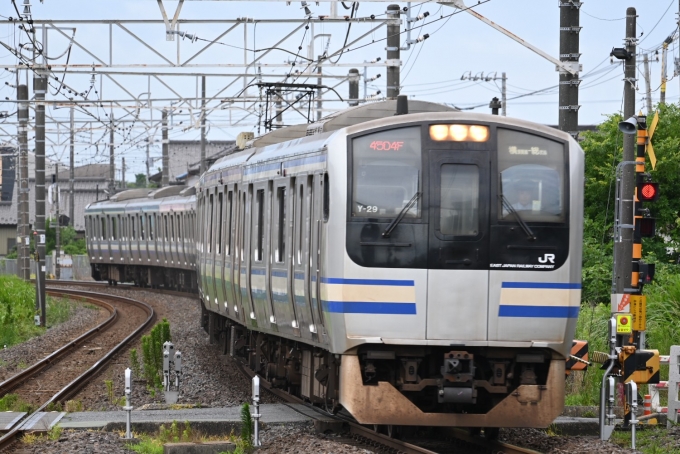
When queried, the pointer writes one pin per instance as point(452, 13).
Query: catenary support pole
point(393, 52)
point(165, 180)
point(147, 163)
point(122, 174)
point(623, 249)
point(23, 237)
point(202, 165)
point(112, 162)
point(39, 89)
point(57, 227)
point(569, 52)
point(71, 175)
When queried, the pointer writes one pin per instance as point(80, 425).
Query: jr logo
point(547, 258)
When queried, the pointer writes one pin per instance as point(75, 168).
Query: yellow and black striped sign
point(640, 366)
point(579, 349)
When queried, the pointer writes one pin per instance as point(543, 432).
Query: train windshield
point(532, 174)
point(387, 169)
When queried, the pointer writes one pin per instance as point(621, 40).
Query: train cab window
point(459, 202)
point(386, 173)
point(220, 201)
point(532, 170)
point(281, 224)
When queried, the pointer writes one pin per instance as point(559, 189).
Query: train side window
point(103, 219)
point(142, 226)
point(152, 226)
point(220, 201)
point(301, 222)
point(211, 213)
point(133, 221)
point(326, 197)
point(114, 227)
point(281, 224)
point(242, 233)
point(229, 220)
point(259, 250)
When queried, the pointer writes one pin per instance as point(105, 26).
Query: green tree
point(603, 151)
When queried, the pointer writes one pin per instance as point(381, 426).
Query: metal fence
point(75, 267)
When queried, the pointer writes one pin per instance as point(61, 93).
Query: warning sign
point(624, 324)
point(638, 307)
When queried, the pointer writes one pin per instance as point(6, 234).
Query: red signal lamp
point(648, 192)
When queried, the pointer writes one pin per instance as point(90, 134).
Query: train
point(412, 264)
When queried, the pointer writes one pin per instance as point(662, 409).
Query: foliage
point(73, 406)
point(55, 432)
point(134, 364)
point(246, 426)
point(12, 402)
point(152, 353)
point(148, 445)
point(175, 434)
point(70, 243)
point(17, 307)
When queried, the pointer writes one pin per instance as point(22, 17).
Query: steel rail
point(78, 383)
point(16, 380)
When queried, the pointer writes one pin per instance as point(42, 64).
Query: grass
point(17, 308)
point(650, 440)
point(12, 402)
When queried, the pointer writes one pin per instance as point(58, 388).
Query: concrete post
point(393, 52)
point(353, 87)
point(23, 235)
point(569, 52)
point(165, 180)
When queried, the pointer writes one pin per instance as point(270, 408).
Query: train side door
point(239, 244)
point(301, 256)
point(246, 257)
point(458, 252)
point(227, 277)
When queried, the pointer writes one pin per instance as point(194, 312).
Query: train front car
point(457, 298)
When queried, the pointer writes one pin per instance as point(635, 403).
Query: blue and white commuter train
point(415, 269)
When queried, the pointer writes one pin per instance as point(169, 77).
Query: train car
point(144, 236)
point(422, 268)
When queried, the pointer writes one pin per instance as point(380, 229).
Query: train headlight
point(479, 133)
point(439, 132)
point(459, 133)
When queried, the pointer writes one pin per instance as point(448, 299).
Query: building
point(90, 180)
point(185, 153)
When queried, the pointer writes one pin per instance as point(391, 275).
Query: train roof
point(145, 197)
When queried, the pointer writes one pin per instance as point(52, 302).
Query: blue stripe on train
point(538, 311)
point(543, 285)
point(337, 280)
point(357, 307)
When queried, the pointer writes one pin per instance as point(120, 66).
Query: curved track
point(63, 369)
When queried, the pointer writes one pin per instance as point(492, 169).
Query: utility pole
point(488, 78)
point(72, 175)
point(57, 247)
point(393, 52)
point(623, 247)
point(23, 237)
point(664, 71)
point(504, 98)
point(569, 52)
point(122, 179)
point(165, 179)
point(353, 87)
point(648, 85)
point(112, 162)
point(39, 90)
point(202, 165)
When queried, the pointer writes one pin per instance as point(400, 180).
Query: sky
point(457, 45)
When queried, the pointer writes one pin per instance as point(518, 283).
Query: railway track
point(371, 438)
point(361, 435)
point(67, 370)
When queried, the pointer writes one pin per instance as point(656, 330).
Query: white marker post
point(128, 408)
point(256, 404)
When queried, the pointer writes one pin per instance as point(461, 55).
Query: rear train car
point(419, 269)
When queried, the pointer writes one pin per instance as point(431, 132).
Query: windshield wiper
point(400, 216)
point(520, 221)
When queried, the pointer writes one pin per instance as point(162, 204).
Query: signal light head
point(648, 192)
